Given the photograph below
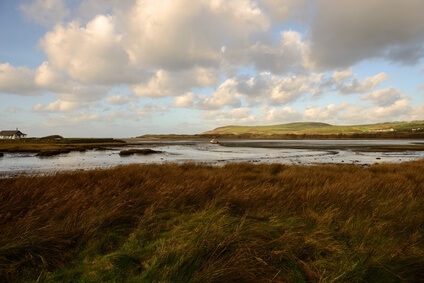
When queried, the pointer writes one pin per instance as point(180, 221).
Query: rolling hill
point(315, 128)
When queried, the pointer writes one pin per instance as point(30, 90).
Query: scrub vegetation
point(53, 145)
point(200, 223)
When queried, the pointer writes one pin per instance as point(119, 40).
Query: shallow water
point(258, 151)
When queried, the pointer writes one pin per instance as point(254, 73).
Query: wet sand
point(363, 152)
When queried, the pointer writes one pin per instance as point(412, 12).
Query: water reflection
point(312, 152)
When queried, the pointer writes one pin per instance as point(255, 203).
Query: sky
point(121, 68)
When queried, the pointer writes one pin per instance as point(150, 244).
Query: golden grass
point(198, 223)
point(45, 145)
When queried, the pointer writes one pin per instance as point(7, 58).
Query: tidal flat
point(308, 152)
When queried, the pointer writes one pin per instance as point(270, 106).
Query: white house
point(12, 135)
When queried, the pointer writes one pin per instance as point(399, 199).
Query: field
point(198, 223)
point(395, 129)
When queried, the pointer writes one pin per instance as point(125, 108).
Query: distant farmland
point(415, 128)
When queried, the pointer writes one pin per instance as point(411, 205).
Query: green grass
point(198, 223)
point(272, 129)
point(311, 128)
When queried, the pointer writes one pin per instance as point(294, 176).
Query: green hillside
point(314, 128)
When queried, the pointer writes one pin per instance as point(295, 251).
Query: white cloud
point(280, 90)
point(289, 89)
point(327, 113)
point(345, 82)
point(289, 55)
point(367, 84)
point(38, 107)
point(183, 34)
point(384, 97)
point(335, 114)
point(118, 99)
point(225, 95)
point(340, 76)
point(345, 113)
point(262, 89)
point(149, 109)
point(88, 9)
point(196, 51)
point(279, 115)
point(47, 77)
point(167, 83)
point(57, 106)
point(90, 54)
point(417, 113)
point(54, 80)
point(186, 100)
point(269, 89)
point(128, 114)
point(82, 118)
point(232, 116)
point(281, 11)
point(346, 32)
point(45, 12)
point(17, 80)
point(399, 108)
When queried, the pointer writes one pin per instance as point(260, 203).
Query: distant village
point(382, 130)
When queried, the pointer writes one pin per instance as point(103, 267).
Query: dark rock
point(48, 153)
point(144, 151)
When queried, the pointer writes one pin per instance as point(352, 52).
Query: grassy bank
point(297, 136)
point(197, 223)
point(46, 146)
point(309, 130)
point(400, 129)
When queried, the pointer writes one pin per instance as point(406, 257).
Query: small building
point(12, 135)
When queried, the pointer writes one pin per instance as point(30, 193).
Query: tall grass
point(50, 145)
point(198, 223)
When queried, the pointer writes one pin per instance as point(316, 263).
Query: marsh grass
point(199, 223)
point(51, 147)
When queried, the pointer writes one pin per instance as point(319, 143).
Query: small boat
point(214, 141)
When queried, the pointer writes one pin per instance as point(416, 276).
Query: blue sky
point(126, 68)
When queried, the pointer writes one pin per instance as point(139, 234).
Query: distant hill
point(314, 128)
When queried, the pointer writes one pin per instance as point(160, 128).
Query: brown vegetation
point(143, 151)
point(47, 153)
point(198, 223)
point(55, 145)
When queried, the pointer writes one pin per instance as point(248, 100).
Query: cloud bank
point(237, 61)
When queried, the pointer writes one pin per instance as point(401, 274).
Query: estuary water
point(181, 151)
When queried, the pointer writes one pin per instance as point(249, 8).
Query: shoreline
point(228, 151)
